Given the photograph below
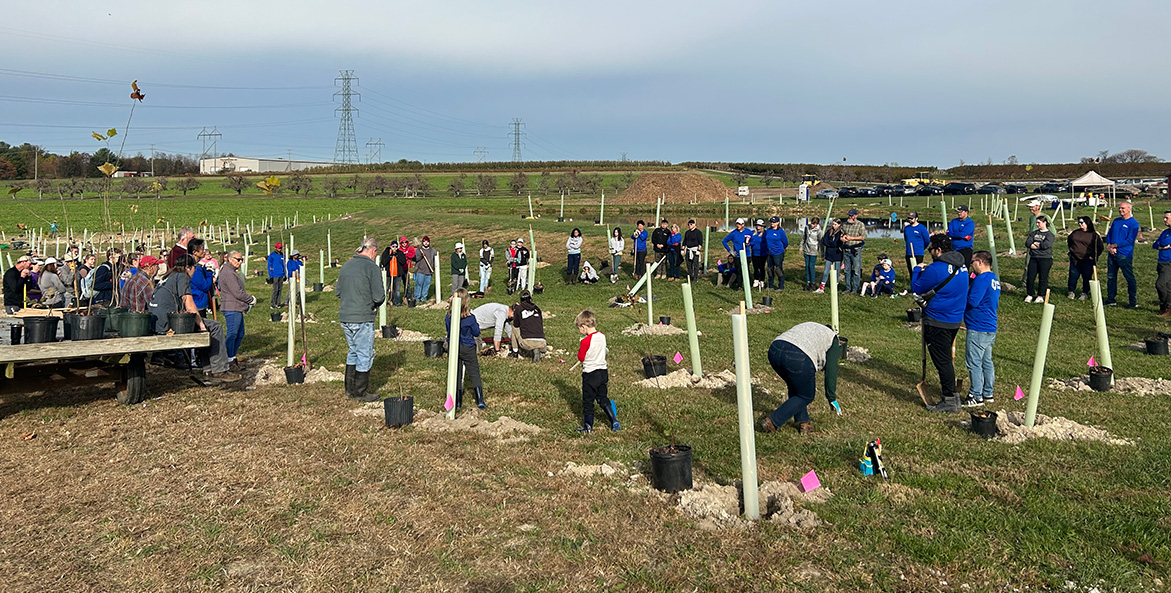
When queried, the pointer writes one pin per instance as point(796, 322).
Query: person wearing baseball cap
point(692, 245)
point(854, 238)
point(776, 241)
point(277, 274)
point(758, 255)
point(140, 287)
point(961, 229)
point(638, 242)
point(659, 239)
point(735, 241)
point(916, 236)
point(52, 289)
point(426, 258)
point(360, 291)
point(17, 279)
point(459, 268)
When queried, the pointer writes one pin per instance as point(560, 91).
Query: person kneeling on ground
point(469, 363)
point(359, 290)
point(882, 279)
point(494, 317)
point(943, 312)
point(528, 327)
point(173, 295)
point(588, 274)
point(797, 355)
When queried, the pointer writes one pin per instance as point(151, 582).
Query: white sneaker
point(1028, 299)
point(1071, 296)
point(820, 290)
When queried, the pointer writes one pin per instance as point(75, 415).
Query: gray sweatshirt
point(359, 287)
point(814, 339)
point(1046, 239)
point(811, 242)
point(425, 260)
point(573, 245)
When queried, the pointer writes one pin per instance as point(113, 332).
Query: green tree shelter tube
point(1104, 357)
point(745, 417)
point(692, 332)
point(453, 353)
point(1039, 364)
point(992, 249)
point(744, 275)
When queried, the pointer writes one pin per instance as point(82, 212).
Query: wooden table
point(68, 364)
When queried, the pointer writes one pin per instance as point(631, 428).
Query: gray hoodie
point(425, 260)
point(810, 244)
point(359, 287)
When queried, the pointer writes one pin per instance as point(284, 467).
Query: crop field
point(276, 487)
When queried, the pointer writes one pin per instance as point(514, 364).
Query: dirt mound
point(407, 335)
point(588, 471)
point(431, 306)
point(310, 318)
point(682, 378)
point(502, 428)
point(1012, 429)
point(270, 374)
point(1136, 385)
point(679, 188)
point(718, 507)
point(857, 354)
point(642, 329)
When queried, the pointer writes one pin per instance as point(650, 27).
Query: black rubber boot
point(950, 404)
point(350, 370)
point(480, 399)
point(361, 387)
point(459, 399)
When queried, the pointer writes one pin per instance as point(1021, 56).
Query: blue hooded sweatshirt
point(959, 229)
point(776, 241)
point(917, 238)
point(202, 282)
point(735, 240)
point(946, 309)
point(882, 276)
point(639, 240)
point(276, 265)
point(983, 303)
point(1123, 233)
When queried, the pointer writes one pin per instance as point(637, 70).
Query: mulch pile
point(679, 188)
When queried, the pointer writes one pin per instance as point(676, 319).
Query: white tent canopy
point(1093, 179)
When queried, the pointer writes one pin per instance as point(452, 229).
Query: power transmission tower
point(211, 136)
point(374, 149)
point(517, 126)
point(481, 154)
point(346, 149)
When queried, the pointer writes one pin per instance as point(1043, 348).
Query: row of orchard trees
point(27, 161)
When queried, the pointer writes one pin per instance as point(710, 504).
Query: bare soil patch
point(857, 354)
point(1142, 386)
point(408, 335)
point(1012, 429)
point(270, 374)
point(683, 378)
point(677, 188)
point(642, 329)
point(718, 507)
point(504, 428)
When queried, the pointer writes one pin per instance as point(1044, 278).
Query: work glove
point(251, 300)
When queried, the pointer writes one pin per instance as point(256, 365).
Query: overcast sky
point(918, 83)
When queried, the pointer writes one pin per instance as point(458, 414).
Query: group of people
point(672, 251)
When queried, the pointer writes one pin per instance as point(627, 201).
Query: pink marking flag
point(809, 481)
point(449, 404)
point(678, 358)
point(1091, 363)
point(1019, 394)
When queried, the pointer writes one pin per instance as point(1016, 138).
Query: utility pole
point(289, 165)
point(346, 149)
point(213, 136)
point(152, 160)
point(517, 125)
point(481, 154)
point(374, 151)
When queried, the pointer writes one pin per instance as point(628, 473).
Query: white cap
point(739, 221)
point(51, 260)
point(760, 222)
point(459, 245)
point(520, 240)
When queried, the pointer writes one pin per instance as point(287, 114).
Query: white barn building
point(236, 164)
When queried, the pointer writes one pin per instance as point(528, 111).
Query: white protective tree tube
point(745, 416)
point(453, 353)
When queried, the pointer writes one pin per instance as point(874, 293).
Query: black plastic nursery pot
point(295, 375)
point(671, 468)
point(400, 411)
point(114, 319)
point(389, 331)
point(766, 301)
point(411, 303)
point(845, 342)
point(433, 348)
point(14, 333)
point(135, 325)
point(87, 327)
point(1156, 345)
point(182, 323)
point(560, 219)
point(664, 320)
point(984, 423)
point(914, 315)
point(318, 287)
point(40, 330)
point(654, 366)
point(1100, 378)
point(274, 316)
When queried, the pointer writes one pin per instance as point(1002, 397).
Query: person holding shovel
point(359, 290)
point(944, 299)
point(797, 356)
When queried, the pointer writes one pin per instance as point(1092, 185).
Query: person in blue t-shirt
point(882, 278)
point(638, 244)
point(736, 241)
point(1120, 248)
point(916, 236)
point(943, 284)
point(1163, 267)
point(980, 319)
point(776, 241)
point(961, 229)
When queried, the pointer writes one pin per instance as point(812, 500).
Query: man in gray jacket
point(359, 287)
point(426, 259)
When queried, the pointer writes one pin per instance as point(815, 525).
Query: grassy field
point(283, 488)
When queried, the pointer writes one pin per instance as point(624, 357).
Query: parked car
point(991, 188)
point(908, 190)
point(959, 188)
point(1052, 187)
point(866, 192)
point(929, 189)
point(827, 194)
point(847, 191)
point(1016, 188)
point(883, 190)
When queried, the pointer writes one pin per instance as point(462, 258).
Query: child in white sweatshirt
point(595, 378)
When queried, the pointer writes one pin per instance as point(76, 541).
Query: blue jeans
point(673, 264)
point(360, 339)
point(852, 263)
point(573, 265)
point(396, 290)
point(235, 332)
point(1126, 264)
point(799, 374)
point(485, 277)
point(776, 269)
point(835, 266)
point(810, 269)
point(422, 286)
point(978, 356)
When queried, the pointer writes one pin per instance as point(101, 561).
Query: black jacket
point(660, 237)
point(692, 238)
point(14, 287)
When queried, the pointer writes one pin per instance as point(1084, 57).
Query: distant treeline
point(408, 166)
point(22, 162)
point(792, 172)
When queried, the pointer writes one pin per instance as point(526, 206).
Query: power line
point(375, 151)
point(149, 83)
point(53, 101)
point(517, 125)
point(481, 154)
point(346, 150)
